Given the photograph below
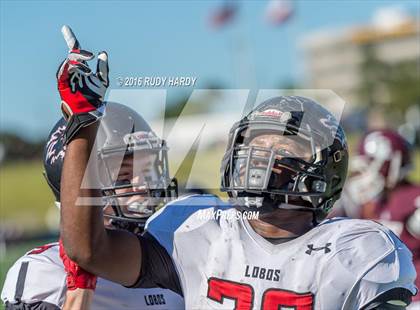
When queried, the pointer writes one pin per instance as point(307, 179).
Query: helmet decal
point(52, 155)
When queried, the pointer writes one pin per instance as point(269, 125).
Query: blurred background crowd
point(366, 52)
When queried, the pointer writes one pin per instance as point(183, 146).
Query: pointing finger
point(70, 38)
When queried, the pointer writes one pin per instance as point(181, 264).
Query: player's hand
point(81, 90)
point(77, 277)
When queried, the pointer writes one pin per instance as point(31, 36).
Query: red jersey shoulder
point(42, 248)
point(401, 203)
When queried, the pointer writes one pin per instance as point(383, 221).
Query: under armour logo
point(312, 248)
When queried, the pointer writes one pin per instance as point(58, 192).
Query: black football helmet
point(265, 179)
point(122, 134)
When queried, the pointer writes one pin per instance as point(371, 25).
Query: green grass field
point(24, 201)
point(24, 195)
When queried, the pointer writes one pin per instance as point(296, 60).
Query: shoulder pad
point(375, 258)
point(163, 224)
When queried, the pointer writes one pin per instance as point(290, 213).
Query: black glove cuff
point(78, 121)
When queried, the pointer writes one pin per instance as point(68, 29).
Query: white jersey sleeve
point(110, 295)
point(38, 276)
point(378, 258)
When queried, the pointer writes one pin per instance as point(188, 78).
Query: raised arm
point(111, 254)
point(78, 299)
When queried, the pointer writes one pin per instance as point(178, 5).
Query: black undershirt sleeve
point(157, 267)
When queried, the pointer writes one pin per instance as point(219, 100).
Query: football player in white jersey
point(38, 280)
point(287, 159)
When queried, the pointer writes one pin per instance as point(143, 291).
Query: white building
point(334, 56)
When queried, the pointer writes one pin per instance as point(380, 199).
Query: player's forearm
point(84, 236)
point(81, 223)
point(78, 299)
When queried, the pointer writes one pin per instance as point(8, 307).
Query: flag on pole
point(223, 15)
point(279, 11)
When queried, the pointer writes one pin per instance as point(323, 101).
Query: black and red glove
point(77, 277)
point(81, 90)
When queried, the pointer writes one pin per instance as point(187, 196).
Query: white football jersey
point(222, 263)
point(39, 276)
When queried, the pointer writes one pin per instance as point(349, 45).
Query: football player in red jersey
point(287, 160)
point(378, 188)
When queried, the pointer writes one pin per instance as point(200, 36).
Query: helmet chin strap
point(125, 225)
point(257, 202)
point(140, 209)
point(287, 206)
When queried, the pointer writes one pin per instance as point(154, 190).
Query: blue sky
point(159, 38)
